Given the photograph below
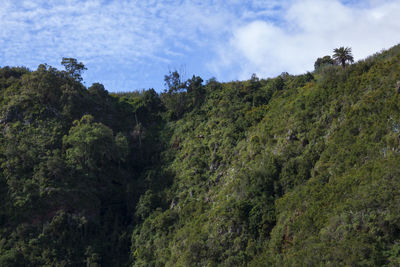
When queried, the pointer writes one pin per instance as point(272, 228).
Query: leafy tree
point(342, 55)
point(195, 91)
point(324, 61)
point(90, 145)
point(73, 68)
point(175, 95)
point(173, 82)
point(98, 90)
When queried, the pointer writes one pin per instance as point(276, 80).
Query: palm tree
point(342, 55)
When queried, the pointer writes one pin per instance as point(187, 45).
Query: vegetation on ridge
point(289, 171)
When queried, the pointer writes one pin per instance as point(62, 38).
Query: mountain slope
point(288, 171)
point(294, 170)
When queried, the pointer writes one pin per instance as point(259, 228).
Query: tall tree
point(73, 68)
point(342, 55)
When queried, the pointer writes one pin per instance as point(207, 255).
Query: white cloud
point(138, 36)
point(229, 39)
point(125, 30)
point(309, 29)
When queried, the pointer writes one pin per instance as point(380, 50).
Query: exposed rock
point(173, 204)
point(291, 136)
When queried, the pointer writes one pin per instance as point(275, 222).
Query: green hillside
point(291, 171)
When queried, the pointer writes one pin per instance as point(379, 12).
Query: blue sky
point(131, 44)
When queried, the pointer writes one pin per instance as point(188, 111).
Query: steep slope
point(65, 176)
point(290, 171)
point(296, 170)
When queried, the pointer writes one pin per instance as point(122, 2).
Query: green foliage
point(342, 55)
point(59, 192)
point(265, 167)
point(181, 97)
point(289, 171)
point(90, 145)
point(73, 68)
point(323, 62)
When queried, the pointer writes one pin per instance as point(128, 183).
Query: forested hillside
point(289, 171)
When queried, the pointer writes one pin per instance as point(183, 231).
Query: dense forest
point(296, 170)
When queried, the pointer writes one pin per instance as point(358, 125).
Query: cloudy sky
point(132, 44)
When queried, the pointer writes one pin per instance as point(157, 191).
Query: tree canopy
point(324, 61)
point(342, 55)
point(73, 68)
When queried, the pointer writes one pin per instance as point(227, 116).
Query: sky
point(131, 44)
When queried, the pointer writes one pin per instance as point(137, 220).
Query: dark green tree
point(90, 145)
point(195, 91)
point(173, 82)
point(73, 68)
point(324, 61)
point(174, 96)
point(342, 55)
